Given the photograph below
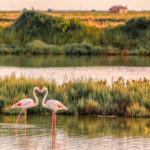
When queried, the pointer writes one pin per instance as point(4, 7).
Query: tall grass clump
point(78, 49)
point(128, 99)
point(133, 35)
point(33, 25)
point(39, 47)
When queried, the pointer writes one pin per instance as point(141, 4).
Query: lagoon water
point(65, 68)
point(73, 61)
point(66, 74)
point(75, 133)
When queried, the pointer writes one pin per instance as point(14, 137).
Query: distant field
point(95, 19)
point(7, 18)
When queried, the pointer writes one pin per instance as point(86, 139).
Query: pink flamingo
point(26, 103)
point(52, 104)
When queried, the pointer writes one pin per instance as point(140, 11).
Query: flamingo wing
point(55, 105)
point(24, 103)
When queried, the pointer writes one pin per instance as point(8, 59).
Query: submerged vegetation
point(128, 99)
point(40, 33)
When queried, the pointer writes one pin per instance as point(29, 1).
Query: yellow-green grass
point(4, 24)
point(88, 18)
point(129, 99)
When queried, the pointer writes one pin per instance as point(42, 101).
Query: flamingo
point(52, 104)
point(26, 103)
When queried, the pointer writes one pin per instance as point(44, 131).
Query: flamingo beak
point(40, 91)
point(65, 108)
point(12, 106)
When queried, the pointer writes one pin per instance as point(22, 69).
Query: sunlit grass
point(86, 17)
point(5, 23)
point(129, 99)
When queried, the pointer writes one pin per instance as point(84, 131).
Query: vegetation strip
point(39, 33)
point(128, 99)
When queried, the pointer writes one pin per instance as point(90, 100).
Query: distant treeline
point(38, 33)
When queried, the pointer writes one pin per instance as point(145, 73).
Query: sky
point(73, 4)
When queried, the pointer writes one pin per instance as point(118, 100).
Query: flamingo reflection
point(54, 138)
point(24, 142)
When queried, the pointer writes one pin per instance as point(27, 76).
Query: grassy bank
point(130, 99)
point(39, 33)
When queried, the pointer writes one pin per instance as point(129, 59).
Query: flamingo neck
point(36, 99)
point(44, 99)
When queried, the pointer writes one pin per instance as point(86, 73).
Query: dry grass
point(107, 19)
point(7, 18)
point(97, 15)
point(94, 19)
point(101, 25)
point(9, 15)
point(5, 23)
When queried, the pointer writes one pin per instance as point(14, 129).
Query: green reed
point(129, 99)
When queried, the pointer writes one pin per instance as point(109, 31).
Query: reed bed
point(128, 99)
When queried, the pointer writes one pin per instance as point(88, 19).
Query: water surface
point(65, 74)
point(68, 61)
point(75, 133)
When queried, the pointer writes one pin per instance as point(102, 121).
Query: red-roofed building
point(118, 9)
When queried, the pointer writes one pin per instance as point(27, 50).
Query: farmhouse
point(118, 9)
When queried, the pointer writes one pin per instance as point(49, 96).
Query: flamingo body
point(24, 103)
point(54, 105)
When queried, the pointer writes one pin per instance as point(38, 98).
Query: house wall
point(118, 10)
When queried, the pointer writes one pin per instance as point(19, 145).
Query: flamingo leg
point(53, 141)
point(25, 117)
point(53, 130)
point(18, 117)
point(53, 123)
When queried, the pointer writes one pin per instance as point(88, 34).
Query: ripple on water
point(81, 133)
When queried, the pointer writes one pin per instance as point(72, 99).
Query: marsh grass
point(129, 99)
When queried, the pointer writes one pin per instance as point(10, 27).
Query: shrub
point(1, 105)
point(78, 49)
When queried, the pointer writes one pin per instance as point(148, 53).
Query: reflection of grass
point(95, 127)
point(130, 99)
point(91, 127)
point(65, 61)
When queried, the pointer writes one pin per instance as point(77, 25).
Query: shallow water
point(75, 133)
point(64, 74)
point(68, 61)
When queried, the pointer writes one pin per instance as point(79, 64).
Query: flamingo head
point(44, 89)
point(37, 89)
